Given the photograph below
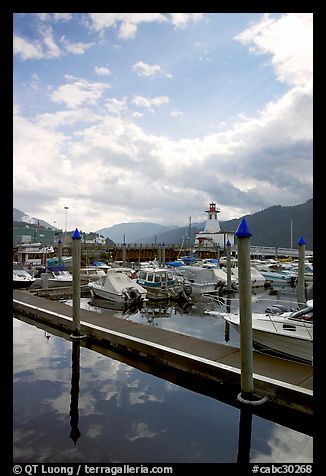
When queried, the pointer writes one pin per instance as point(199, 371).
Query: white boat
point(162, 283)
point(286, 333)
point(116, 286)
point(203, 279)
point(22, 279)
point(275, 273)
point(308, 270)
point(54, 276)
point(257, 279)
point(91, 273)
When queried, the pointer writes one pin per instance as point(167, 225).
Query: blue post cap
point(301, 241)
point(243, 229)
point(59, 242)
point(228, 243)
point(76, 235)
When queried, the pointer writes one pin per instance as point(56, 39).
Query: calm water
point(191, 319)
point(117, 413)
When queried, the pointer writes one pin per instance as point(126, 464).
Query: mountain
point(272, 226)
point(132, 232)
point(19, 216)
point(269, 227)
point(178, 235)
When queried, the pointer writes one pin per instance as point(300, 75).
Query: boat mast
point(190, 252)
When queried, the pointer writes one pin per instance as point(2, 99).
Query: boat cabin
point(156, 278)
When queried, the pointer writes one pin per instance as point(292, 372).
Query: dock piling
point(76, 252)
point(301, 280)
point(59, 252)
point(228, 266)
point(243, 234)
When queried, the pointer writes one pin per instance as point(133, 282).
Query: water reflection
point(125, 415)
point(245, 427)
point(189, 317)
point(74, 393)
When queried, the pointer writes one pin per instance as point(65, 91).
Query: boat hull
point(278, 335)
point(52, 283)
point(287, 346)
point(120, 298)
point(22, 284)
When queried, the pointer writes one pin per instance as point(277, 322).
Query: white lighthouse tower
point(212, 236)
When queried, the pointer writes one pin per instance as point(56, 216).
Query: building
point(34, 254)
point(212, 236)
point(32, 234)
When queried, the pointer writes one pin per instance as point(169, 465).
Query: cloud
point(253, 164)
point(52, 121)
point(31, 144)
point(180, 20)
point(176, 113)
point(55, 16)
point(143, 69)
point(102, 71)
point(26, 49)
point(150, 103)
point(45, 47)
point(79, 91)
point(78, 48)
point(289, 40)
point(259, 160)
point(126, 24)
point(116, 106)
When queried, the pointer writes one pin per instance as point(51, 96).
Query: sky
point(126, 117)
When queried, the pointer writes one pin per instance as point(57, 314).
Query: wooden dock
point(288, 385)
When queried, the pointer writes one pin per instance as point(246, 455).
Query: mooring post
point(45, 280)
point(124, 252)
point(301, 281)
point(76, 251)
point(243, 234)
point(163, 254)
point(228, 266)
point(59, 252)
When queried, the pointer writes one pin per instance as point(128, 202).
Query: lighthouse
point(212, 235)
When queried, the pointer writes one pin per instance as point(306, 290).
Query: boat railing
point(230, 305)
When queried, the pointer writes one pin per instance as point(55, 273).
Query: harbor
point(163, 243)
point(285, 383)
point(177, 321)
point(98, 406)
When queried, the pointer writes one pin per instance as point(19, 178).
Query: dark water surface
point(114, 413)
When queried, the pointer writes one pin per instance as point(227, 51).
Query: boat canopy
point(175, 264)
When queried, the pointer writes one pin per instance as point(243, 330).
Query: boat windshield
point(305, 314)
point(21, 272)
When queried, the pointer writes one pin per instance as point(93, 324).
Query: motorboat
point(22, 278)
point(280, 331)
point(91, 273)
point(118, 287)
point(275, 273)
point(162, 283)
point(54, 276)
point(308, 270)
point(257, 279)
point(123, 308)
point(203, 279)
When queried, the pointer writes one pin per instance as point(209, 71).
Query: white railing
point(273, 250)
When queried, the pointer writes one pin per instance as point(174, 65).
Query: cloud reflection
point(125, 415)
